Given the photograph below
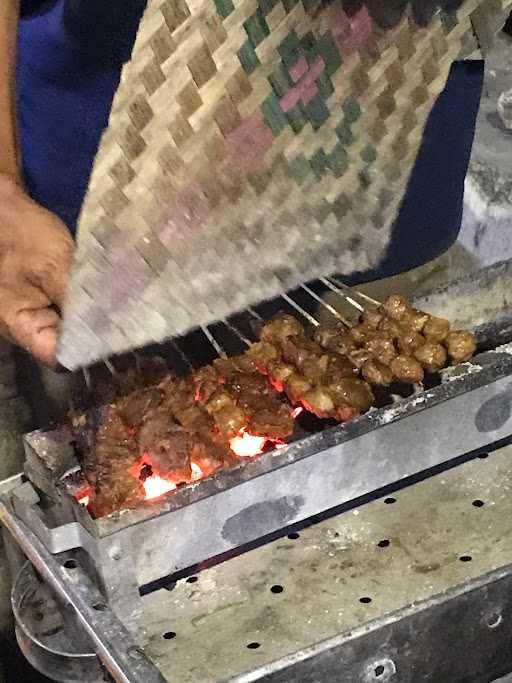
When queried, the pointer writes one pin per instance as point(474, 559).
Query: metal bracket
point(122, 657)
point(60, 539)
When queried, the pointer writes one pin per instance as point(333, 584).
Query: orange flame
point(83, 496)
point(247, 445)
point(155, 486)
point(197, 472)
point(297, 411)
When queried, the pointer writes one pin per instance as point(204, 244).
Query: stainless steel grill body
point(468, 412)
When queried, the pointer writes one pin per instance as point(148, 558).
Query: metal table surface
point(346, 575)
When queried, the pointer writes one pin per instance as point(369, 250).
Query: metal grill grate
point(232, 336)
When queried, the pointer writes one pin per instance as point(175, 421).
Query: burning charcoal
point(461, 345)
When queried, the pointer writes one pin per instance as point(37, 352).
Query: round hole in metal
point(192, 579)
point(99, 606)
point(389, 501)
point(478, 503)
point(169, 635)
point(494, 620)
point(384, 543)
point(71, 564)
point(365, 600)
point(379, 670)
point(253, 646)
point(276, 589)
point(483, 456)
point(465, 558)
point(293, 536)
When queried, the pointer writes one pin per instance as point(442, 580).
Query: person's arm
point(35, 246)
point(9, 160)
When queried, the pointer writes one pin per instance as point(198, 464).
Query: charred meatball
point(334, 337)
point(436, 329)
point(396, 306)
point(319, 401)
point(352, 392)
point(371, 318)
point(407, 369)
point(281, 328)
point(415, 320)
point(432, 356)
point(461, 345)
point(382, 348)
point(377, 373)
point(408, 341)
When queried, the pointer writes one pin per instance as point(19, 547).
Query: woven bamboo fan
point(253, 145)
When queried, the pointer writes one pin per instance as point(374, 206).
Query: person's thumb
point(36, 331)
point(51, 274)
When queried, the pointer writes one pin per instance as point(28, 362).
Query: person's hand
point(36, 252)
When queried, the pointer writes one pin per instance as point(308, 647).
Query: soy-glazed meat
point(431, 356)
point(108, 464)
point(407, 369)
point(166, 444)
point(335, 337)
point(376, 373)
point(436, 329)
point(461, 345)
point(243, 399)
point(152, 423)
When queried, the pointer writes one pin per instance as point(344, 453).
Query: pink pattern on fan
point(188, 212)
point(305, 89)
point(350, 34)
point(248, 143)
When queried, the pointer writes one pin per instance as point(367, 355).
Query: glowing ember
point(83, 496)
point(247, 445)
point(297, 411)
point(155, 486)
point(197, 472)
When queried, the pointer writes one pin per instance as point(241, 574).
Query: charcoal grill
point(204, 557)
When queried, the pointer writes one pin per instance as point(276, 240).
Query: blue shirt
point(69, 62)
